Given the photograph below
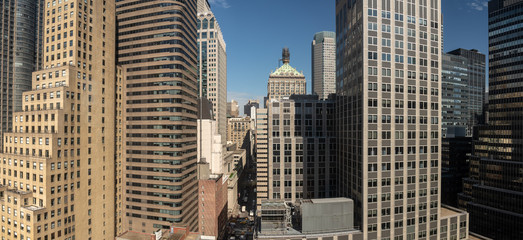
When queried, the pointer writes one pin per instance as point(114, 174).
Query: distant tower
point(212, 65)
point(323, 64)
point(286, 80)
point(21, 54)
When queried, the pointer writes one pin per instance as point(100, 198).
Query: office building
point(462, 93)
point(159, 53)
point(285, 81)
point(493, 193)
point(247, 108)
point(388, 110)
point(232, 109)
point(302, 148)
point(323, 64)
point(21, 54)
point(58, 164)
point(262, 141)
point(212, 65)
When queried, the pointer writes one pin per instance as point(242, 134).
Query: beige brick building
point(58, 164)
point(238, 131)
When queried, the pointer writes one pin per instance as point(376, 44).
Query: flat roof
point(331, 200)
point(273, 204)
point(135, 236)
point(446, 211)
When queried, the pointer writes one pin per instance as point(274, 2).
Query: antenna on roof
point(286, 56)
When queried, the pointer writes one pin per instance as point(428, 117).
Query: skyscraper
point(493, 193)
point(58, 162)
point(212, 65)
point(262, 161)
point(157, 45)
point(247, 108)
point(463, 89)
point(324, 64)
point(232, 109)
point(21, 54)
point(388, 111)
point(286, 80)
point(301, 148)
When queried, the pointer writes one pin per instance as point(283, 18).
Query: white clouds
point(221, 3)
point(478, 5)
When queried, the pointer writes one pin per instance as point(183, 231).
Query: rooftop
point(330, 200)
point(447, 211)
point(286, 71)
point(273, 204)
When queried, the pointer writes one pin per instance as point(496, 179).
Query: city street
point(241, 224)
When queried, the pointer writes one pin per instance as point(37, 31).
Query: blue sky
point(255, 31)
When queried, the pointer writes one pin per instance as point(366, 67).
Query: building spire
point(286, 56)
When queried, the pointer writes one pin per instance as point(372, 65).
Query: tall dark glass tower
point(463, 89)
point(20, 50)
point(493, 194)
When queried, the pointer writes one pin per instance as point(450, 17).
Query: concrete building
point(463, 88)
point(301, 148)
point(160, 54)
point(388, 87)
point(211, 149)
point(262, 164)
point(212, 64)
point(323, 64)
point(248, 107)
point(493, 193)
point(285, 81)
point(21, 50)
point(232, 109)
point(58, 163)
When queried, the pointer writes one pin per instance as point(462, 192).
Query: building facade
point(58, 165)
point(285, 81)
point(212, 199)
point(262, 164)
point(324, 64)
point(212, 64)
point(159, 53)
point(388, 110)
point(301, 148)
point(21, 54)
point(493, 193)
point(463, 89)
point(239, 131)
